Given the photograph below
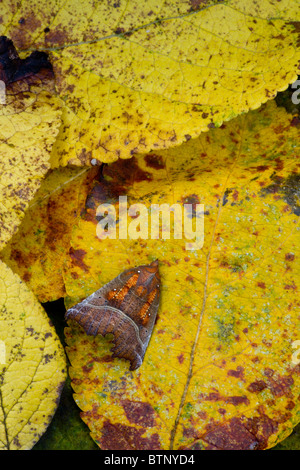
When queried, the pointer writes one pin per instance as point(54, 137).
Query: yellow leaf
point(219, 369)
point(137, 76)
point(32, 365)
point(39, 248)
point(29, 122)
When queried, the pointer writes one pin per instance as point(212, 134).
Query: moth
point(126, 307)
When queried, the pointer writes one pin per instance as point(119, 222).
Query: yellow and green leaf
point(218, 372)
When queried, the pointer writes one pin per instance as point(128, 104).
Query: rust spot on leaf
point(281, 385)
point(121, 437)
point(289, 256)
point(57, 36)
point(180, 358)
point(231, 436)
point(241, 434)
point(190, 433)
point(238, 400)
point(296, 25)
point(238, 373)
point(262, 285)
point(256, 387)
point(233, 400)
point(139, 413)
point(295, 122)
point(154, 161)
point(193, 200)
point(197, 4)
point(77, 258)
point(125, 173)
point(290, 405)
point(290, 286)
point(268, 372)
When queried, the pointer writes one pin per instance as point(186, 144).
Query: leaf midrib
point(195, 344)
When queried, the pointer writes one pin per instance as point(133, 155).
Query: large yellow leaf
point(218, 372)
point(32, 365)
point(39, 248)
point(137, 76)
point(29, 122)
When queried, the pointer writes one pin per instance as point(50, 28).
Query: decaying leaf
point(218, 372)
point(32, 365)
point(29, 122)
point(39, 248)
point(14, 69)
point(136, 76)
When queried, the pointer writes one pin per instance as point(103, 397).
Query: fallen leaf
point(38, 250)
point(218, 372)
point(32, 365)
point(29, 122)
point(136, 76)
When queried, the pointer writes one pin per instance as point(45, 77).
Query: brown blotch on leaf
point(281, 385)
point(77, 258)
point(57, 36)
point(238, 373)
point(190, 433)
point(125, 173)
point(241, 434)
point(262, 285)
point(238, 400)
point(102, 191)
point(120, 437)
point(180, 358)
point(295, 122)
point(268, 372)
point(197, 4)
point(296, 25)
point(256, 387)
point(193, 200)
point(84, 156)
point(279, 164)
point(231, 436)
point(26, 276)
point(289, 256)
point(139, 413)
point(234, 400)
point(154, 161)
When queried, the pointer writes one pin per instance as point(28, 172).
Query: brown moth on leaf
point(127, 308)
